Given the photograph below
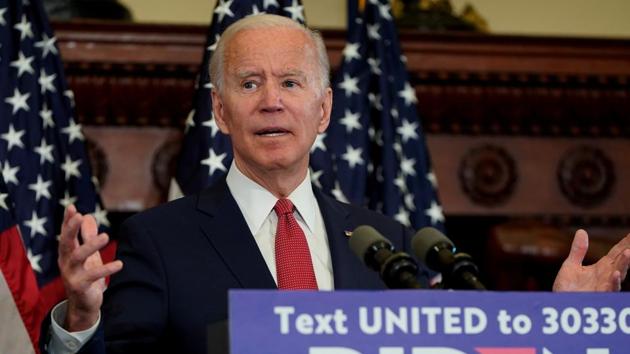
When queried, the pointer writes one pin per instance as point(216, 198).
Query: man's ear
point(219, 112)
point(326, 110)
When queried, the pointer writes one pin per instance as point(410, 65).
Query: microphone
point(438, 252)
point(397, 269)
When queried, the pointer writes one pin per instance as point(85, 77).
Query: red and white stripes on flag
point(20, 308)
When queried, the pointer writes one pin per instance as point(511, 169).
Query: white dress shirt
point(256, 204)
point(62, 341)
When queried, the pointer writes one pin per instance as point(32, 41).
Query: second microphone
point(398, 270)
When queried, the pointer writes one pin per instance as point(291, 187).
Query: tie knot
point(283, 207)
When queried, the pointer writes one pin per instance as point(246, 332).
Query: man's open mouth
point(271, 132)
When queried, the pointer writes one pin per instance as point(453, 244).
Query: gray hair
point(217, 62)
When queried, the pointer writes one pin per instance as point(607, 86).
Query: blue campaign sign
point(428, 322)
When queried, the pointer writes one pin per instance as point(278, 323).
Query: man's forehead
point(272, 32)
point(289, 50)
point(270, 39)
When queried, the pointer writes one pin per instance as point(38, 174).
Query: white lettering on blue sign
point(520, 324)
point(588, 320)
point(416, 320)
point(307, 324)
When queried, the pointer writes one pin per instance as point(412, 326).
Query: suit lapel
point(346, 266)
point(224, 226)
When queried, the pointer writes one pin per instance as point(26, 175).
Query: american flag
point(206, 152)
point(374, 153)
point(42, 154)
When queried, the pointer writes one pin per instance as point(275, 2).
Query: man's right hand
point(82, 269)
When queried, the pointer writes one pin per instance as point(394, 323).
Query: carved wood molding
point(110, 43)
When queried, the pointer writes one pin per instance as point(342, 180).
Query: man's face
point(271, 103)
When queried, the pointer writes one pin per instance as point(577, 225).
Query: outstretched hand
point(82, 269)
point(605, 275)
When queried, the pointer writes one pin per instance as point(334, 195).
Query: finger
point(89, 228)
point(619, 247)
point(105, 270)
point(68, 239)
point(578, 248)
point(615, 281)
point(69, 212)
point(622, 262)
point(96, 259)
point(87, 249)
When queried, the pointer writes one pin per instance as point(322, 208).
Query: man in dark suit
point(272, 96)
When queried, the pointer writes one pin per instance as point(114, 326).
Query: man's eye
point(290, 83)
point(249, 85)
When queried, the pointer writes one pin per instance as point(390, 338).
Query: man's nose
point(272, 98)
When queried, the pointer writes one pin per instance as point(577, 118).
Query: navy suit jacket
point(181, 258)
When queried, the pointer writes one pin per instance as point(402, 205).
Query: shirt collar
point(255, 202)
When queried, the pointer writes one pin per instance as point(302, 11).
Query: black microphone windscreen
point(363, 237)
point(425, 239)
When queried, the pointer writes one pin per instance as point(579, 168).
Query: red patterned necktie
point(294, 266)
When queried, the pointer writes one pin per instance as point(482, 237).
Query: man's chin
point(283, 163)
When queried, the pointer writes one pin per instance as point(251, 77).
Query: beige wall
point(607, 18)
point(319, 13)
point(604, 18)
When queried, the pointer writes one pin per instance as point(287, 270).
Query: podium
point(428, 322)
